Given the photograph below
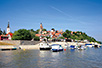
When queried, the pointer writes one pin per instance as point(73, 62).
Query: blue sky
point(74, 15)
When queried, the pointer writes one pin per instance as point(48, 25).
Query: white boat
point(56, 48)
point(45, 46)
point(81, 47)
point(89, 45)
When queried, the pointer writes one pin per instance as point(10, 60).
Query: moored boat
point(72, 46)
point(56, 48)
point(45, 46)
point(4, 49)
point(81, 47)
point(96, 46)
point(89, 45)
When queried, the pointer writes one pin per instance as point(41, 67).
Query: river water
point(90, 58)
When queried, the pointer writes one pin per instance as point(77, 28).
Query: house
point(9, 35)
point(4, 37)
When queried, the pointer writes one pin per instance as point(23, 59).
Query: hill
point(78, 35)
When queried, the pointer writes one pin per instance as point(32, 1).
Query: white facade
point(8, 30)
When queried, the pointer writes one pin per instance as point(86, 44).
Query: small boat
point(56, 48)
point(72, 46)
point(96, 46)
point(81, 47)
point(45, 46)
point(65, 46)
point(5, 49)
point(89, 45)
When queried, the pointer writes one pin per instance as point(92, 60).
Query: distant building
point(8, 28)
point(41, 28)
point(52, 34)
point(3, 37)
point(8, 36)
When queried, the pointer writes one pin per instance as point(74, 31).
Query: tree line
point(2, 32)
point(78, 35)
point(24, 34)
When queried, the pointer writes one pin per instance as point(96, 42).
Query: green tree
point(31, 30)
point(44, 30)
point(53, 29)
point(22, 34)
point(36, 38)
point(32, 34)
point(61, 37)
point(68, 32)
point(4, 32)
point(78, 36)
point(64, 34)
point(37, 31)
point(68, 36)
point(0, 31)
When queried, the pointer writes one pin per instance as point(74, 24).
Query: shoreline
point(36, 46)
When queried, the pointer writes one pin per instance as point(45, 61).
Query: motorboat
point(72, 46)
point(89, 45)
point(81, 47)
point(96, 46)
point(5, 49)
point(44, 46)
point(56, 47)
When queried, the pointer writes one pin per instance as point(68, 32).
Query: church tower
point(8, 28)
point(41, 28)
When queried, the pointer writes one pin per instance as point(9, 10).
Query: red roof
point(38, 35)
point(48, 31)
point(11, 34)
point(52, 33)
point(41, 34)
point(3, 35)
point(57, 34)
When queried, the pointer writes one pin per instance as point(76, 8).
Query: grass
point(3, 43)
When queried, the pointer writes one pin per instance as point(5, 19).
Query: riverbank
point(36, 46)
point(3, 43)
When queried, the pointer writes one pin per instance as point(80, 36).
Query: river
point(90, 58)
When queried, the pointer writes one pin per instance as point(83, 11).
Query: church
point(9, 35)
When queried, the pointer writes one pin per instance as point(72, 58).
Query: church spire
point(41, 27)
point(8, 24)
point(8, 28)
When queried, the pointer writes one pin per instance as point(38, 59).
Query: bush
point(22, 34)
point(36, 38)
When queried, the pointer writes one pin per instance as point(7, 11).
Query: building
point(8, 36)
point(41, 28)
point(52, 34)
point(8, 28)
point(3, 37)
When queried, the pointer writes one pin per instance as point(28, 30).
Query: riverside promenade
point(36, 46)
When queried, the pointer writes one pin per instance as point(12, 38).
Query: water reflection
point(89, 58)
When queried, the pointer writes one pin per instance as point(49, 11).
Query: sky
point(74, 15)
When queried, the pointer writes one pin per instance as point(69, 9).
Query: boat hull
point(9, 49)
point(56, 50)
point(45, 48)
point(72, 47)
